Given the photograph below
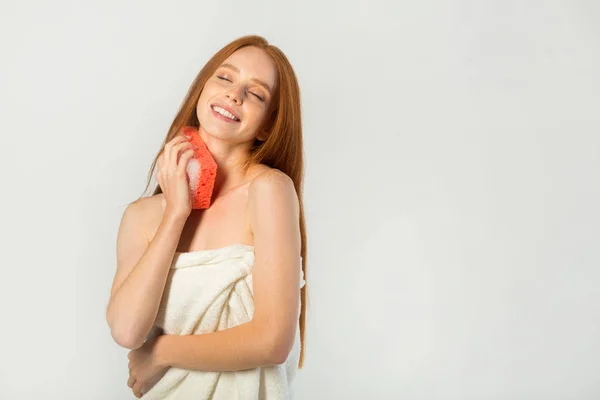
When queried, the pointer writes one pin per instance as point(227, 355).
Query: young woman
point(245, 103)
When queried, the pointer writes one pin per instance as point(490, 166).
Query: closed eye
point(257, 96)
point(260, 98)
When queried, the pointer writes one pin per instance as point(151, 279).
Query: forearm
point(134, 306)
point(242, 347)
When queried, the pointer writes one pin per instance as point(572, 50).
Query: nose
point(234, 94)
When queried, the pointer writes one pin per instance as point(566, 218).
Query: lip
point(226, 108)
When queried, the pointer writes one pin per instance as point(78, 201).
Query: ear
point(262, 136)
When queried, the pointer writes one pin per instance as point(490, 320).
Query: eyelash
point(257, 96)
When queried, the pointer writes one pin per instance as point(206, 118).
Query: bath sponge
point(201, 171)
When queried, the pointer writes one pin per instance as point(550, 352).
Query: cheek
point(203, 100)
point(260, 116)
point(258, 113)
point(208, 92)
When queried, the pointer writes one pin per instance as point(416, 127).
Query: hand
point(144, 369)
point(172, 174)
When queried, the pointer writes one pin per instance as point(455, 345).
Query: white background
point(451, 194)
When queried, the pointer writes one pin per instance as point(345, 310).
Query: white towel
point(208, 291)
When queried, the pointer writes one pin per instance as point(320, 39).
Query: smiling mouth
point(224, 113)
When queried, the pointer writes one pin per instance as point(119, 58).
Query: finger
point(166, 155)
point(159, 179)
point(184, 132)
point(185, 159)
point(175, 153)
point(161, 165)
point(167, 151)
point(179, 136)
point(137, 389)
point(176, 149)
point(131, 381)
point(159, 173)
point(176, 140)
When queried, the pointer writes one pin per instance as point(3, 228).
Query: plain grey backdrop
point(451, 193)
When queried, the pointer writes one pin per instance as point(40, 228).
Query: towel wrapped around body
point(208, 291)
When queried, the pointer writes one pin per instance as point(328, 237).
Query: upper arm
point(275, 224)
point(131, 243)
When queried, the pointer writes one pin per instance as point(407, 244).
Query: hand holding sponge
point(201, 171)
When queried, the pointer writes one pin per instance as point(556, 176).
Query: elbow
point(274, 338)
point(125, 341)
point(278, 357)
point(279, 348)
point(122, 336)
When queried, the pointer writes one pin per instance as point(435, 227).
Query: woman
point(245, 104)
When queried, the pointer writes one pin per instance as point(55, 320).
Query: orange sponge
point(201, 171)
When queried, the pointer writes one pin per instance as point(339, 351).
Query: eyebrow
point(236, 69)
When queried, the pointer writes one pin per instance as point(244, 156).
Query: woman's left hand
point(144, 369)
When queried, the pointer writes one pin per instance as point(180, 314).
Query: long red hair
point(282, 149)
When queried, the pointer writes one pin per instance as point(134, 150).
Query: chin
point(217, 132)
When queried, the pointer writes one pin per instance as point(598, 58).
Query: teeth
point(224, 113)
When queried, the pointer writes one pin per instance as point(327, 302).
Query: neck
point(230, 159)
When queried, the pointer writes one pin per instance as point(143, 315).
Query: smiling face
point(235, 99)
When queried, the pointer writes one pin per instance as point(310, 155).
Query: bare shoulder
point(272, 190)
point(144, 214)
point(270, 181)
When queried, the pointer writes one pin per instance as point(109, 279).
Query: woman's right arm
point(142, 265)
point(142, 270)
